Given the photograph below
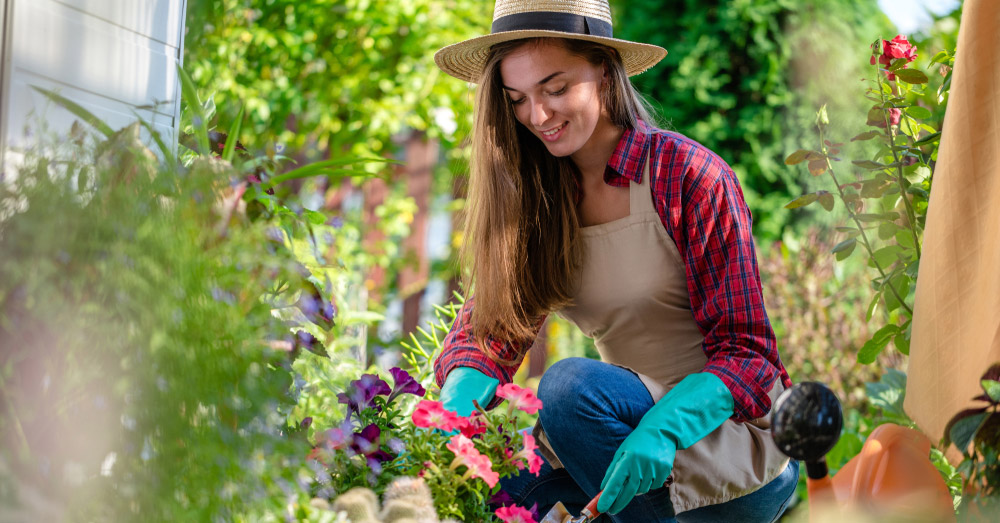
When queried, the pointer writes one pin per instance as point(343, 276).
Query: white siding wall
point(116, 58)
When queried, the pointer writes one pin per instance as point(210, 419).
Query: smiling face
point(556, 95)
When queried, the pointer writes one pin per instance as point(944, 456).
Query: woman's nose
point(539, 114)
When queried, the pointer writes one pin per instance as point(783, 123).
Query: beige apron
point(633, 301)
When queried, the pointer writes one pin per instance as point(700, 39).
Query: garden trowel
point(559, 514)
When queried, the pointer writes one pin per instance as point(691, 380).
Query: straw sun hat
point(516, 19)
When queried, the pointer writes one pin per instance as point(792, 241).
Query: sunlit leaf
point(797, 157)
point(867, 136)
point(876, 344)
point(911, 76)
point(802, 201)
point(917, 111)
point(826, 200)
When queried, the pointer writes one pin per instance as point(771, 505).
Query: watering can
point(891, 478)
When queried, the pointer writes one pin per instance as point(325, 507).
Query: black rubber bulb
point(806, 423)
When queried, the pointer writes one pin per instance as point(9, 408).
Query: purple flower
point(404, 384)
point(366, 443)
point(500, 499)
point(396, 445)
point(362, 391)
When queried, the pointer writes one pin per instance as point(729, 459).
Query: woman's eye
point(559, 92)
point(516, 102)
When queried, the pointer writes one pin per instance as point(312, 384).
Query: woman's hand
point(699, 404)
point(465, 384)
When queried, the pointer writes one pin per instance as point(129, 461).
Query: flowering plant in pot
point(392, 431)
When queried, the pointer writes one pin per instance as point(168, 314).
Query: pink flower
point(471, 427)
point(899, 47)
point(462, 446)
point(520, 398)
point(515, 514)
point(477, 464)
point(482, 467)
point(431, 414)
point(528, 454)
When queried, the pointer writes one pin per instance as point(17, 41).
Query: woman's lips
point(554, 134)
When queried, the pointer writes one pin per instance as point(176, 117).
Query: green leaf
point(315, 218)
point(77, 110)
point(904, 237)
point(845, 248)
point(190, 95)
point(876, 344)
point(826, 200)
point(875, 217)
point(918, 112)
point(887, 230)
point(886, 256)
point(233, 137)
point(868, 164)
point(797, 157)
point(802, 201)
point(889, 393)
point(902, 344)
point(928, 139)
point(940, 58)
point(867, 136)
point(873, 189)
point(360, 317)
point(992, 388)
point(873, 306)
point(911, 76)
point(964, 430)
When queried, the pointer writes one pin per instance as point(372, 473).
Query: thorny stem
point(857, 222)
point(910, 215)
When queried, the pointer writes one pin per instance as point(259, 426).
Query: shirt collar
point(630, 155)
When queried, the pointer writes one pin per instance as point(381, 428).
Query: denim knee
point(566, 387)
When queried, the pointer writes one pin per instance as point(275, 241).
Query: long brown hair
point(522, 230)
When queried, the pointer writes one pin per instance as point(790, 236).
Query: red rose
point(899, 47)
point(894, 116)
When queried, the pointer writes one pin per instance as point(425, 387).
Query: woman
point(642, 239)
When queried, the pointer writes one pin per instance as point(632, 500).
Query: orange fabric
point(956, 324)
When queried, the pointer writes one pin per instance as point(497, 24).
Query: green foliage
point(976, 433)
point(886, 201)
point(150, 312)
point(742, 77)
point(333, 74)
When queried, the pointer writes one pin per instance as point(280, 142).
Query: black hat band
point(552, 21)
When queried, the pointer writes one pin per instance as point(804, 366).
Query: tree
point(745, 77)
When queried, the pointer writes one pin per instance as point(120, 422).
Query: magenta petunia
point(515, 514)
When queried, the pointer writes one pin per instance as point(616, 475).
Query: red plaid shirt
point(701, 205)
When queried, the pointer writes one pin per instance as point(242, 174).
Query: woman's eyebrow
point(543, 81)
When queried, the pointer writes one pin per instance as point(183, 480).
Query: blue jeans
point(589, 409)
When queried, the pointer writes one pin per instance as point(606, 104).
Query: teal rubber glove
point(699, 404)
point(465, 384)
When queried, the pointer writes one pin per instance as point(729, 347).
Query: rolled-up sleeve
point(724, 285)
point(461, 349)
